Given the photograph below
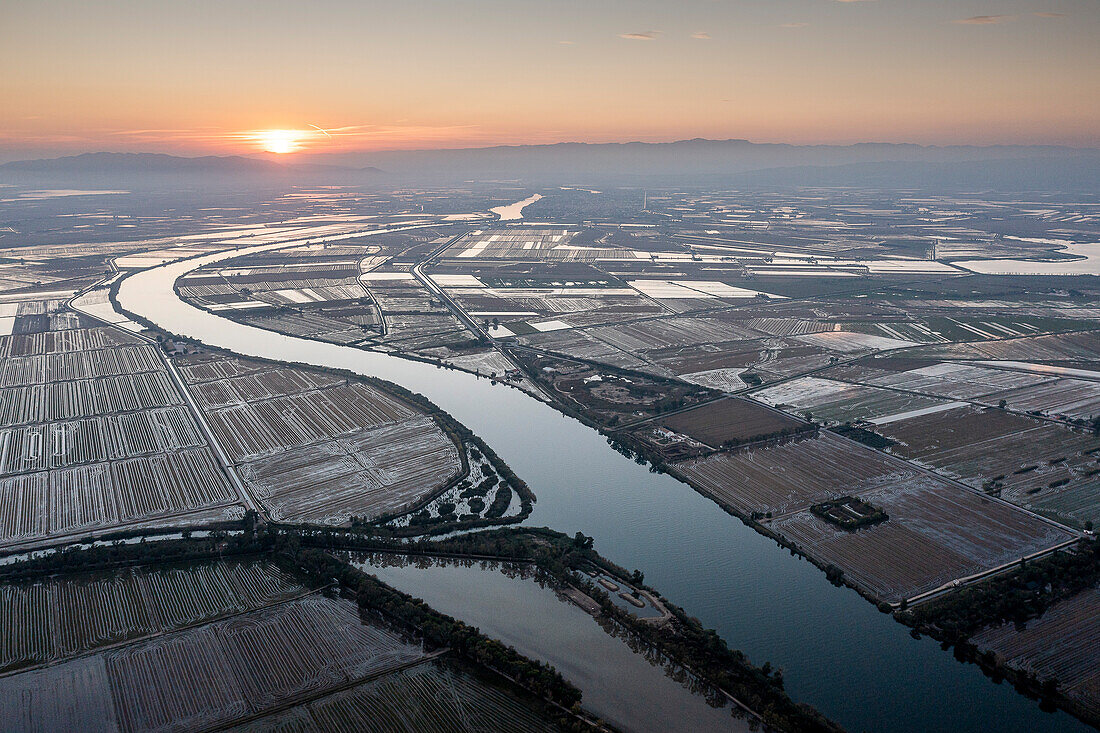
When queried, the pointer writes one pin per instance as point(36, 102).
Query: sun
point(280, 141)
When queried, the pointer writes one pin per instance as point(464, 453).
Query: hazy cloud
point(855, 1)
point(803, 25)
point(701, 36)
point(1049, 15)
point(567, 43)
point(643, 36)
point(984, 19)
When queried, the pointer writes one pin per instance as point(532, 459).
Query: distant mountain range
point(707, 162)
point(161, 168)
point(697, 157)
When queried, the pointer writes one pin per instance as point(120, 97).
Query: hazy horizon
point(339, 76)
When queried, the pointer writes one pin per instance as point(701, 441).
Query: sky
point(204, 77)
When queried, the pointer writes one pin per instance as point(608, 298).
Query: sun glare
point(280, 141)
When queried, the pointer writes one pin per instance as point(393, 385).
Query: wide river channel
point(837, 651)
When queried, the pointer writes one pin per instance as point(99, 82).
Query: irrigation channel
point(837, 651)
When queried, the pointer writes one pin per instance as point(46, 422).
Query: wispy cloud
point(800, 25)
point(701, 36)
point(642, 36)
point(985, 20)
point(855, 1)
point(567, 43)
point(1049, 15)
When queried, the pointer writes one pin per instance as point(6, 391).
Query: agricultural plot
point(425, 697)
point(102, 495)
point(1038, 465)
point(1072, 348)
point(1076, 399)
point(383, 470)
point(936, 531)
point(833, 401)
point(64, 616)
point(93, 435)
point(514, 243)
point(791, 476)
point(266, 426)
point(244, 665)
point(1059, 645)
point(732, 421)
point(208, 675)
point(958, 380)
point(316, 448)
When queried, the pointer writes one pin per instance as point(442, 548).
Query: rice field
point(96, 439)
point(1073, 398)
point(372, 472)
point(958, 381)
point(63, 616)
point(316, 448)
point(832, 401)
point(93, 431)
point(434, 697)
point(181, 648)
point(101, 495)
point(1061, 645)
point(225, 670)
point(264, 427)
point(936, 532)
point(731, 420)
point(86, 397)
point(1039, 465)
point(791, 476)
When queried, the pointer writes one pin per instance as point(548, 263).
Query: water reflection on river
point(628, 689)
point(837, 651)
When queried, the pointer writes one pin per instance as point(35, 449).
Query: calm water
point(1090, 265)
point(514, 212)
point(837, 651)
point(618, 685)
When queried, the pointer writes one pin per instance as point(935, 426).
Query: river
point(514, 212)
point(1088, 263)
point(837, 651)
point(619, 685)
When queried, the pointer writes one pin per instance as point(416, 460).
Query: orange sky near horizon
point(210, 77)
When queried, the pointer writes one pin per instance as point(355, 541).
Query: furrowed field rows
point(20, 371)
point(790, 476)
point(669, 332)
point(260, 386)
point(260, 428)
point(1028, 462)
point(95, 439)
point(427, 697)
point(82, 398)
point(936, 531)
point(75, 696)
point(65, 616)
point(51, 342)
point(105, 494)
point(243, 665)
point(1061, 644)
point(377, 471)
point(221, 368)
